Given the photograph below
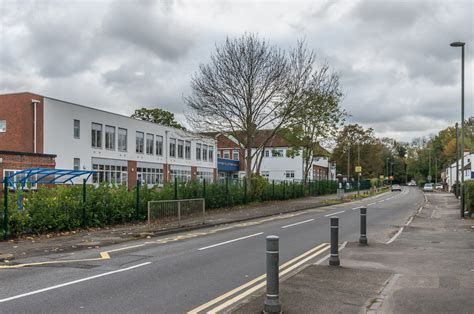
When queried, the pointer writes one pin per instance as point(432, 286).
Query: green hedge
point(60, 208)
point(469, 196)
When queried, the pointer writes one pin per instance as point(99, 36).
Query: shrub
point(469, 196)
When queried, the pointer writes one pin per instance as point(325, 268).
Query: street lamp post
point(457, 162)
point(461, 44)
point(386, 160)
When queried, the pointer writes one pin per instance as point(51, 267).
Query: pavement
point(207, 270)
point(94, 238)
point(428, 267)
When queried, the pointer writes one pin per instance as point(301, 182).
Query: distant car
point(428, 187)
point(439, 186)
point(411, 183)
point(396, 187)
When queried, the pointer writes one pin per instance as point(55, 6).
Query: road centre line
point(297, 223)
point(73, 282)
point(334, 213)
point(262, 284)
point(230, 241)
point(371, 204)
point(250, 283)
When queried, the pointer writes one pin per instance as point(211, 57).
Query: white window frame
point(159, 145)
point(122, 140)
point(110, 137)
point(211, 153)
point(204, 152)
point(150, 138)
point(187, 149)
point(173, 147)
point(96, 138)
point(139, 142)
point(289, 174)
point(78, 165)
point(3, 126)
point(180, 149)
point(235, 153)
point(226, 153)
point(198, 151)
point(76, 129)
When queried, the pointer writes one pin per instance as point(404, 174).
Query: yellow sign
point(381, 177)
point(358, 169)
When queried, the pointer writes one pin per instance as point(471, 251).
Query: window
point(181, 175)
point(159, 145)
point(77, 164)
point(204, 152)
point(122, 140)
point(198, 151)
point(235, 155)
point(150, 140)
point(172, 147)
point(109, 170)
point(277, 153)
point(77, 129)
point(226, 154)
point(3, 126)
point(150, 175)
point(289, 174)
point(110, 137)
point(205, 174)
point(16, 179)
point(187, 150)
point(96, 135)
point(180, 148)
point(267, 153)
point(139, 142)
point(211, 153)
point(265, 174)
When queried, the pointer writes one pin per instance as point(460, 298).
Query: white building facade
point(121, 149)
point(468, 172)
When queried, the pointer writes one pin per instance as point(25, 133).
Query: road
point(176, 274)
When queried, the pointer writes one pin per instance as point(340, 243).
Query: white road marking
point(327, 256)
point(395, 235)
point(409, 220)
point(298, 223)
point(381, 201)
point(334, 213)
point(371, 204)
point(230, 241)
point(72, 282)
point(356, 208)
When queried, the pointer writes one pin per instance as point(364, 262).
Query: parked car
point(428, 187)
point(439, 186)
point(396, 187)
point(411, 183)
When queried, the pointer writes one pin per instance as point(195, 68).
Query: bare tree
point(246, 87)
point(319, 116)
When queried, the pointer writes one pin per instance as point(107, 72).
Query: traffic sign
point(429, 178)
point(358, 169)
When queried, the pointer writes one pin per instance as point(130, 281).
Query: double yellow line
point(232, 297)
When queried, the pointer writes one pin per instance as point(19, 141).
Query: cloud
point(398, 72)
point(151, 26)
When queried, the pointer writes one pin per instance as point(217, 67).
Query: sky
point(398, 73)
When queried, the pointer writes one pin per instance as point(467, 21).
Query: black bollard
point(363, 226)
point(272, 298)
point(334, 259)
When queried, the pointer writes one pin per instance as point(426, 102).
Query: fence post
point(272, 298)
point(84, 198)
point(179, 213)
point(5, 211)
point(273, 189)
point(245, 191)
point(137, 201)
point(203, 210)
point(227, 191)
point(334, 259)
point(175, 188)
point(363, 226)
point(204, 188)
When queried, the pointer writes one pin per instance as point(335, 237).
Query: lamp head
point(457, 44)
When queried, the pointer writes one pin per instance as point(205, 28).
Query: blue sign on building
point(227, 165)
point(472, 174)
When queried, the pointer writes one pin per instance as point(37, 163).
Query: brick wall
point(20, 161)
point(17, 110)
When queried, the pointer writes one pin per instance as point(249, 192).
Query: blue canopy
point(45, 176)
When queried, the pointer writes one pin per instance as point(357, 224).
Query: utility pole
point(348, 163)
point(386, 166)
point(436, 171)
point(358, 164)
point(429, 165)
